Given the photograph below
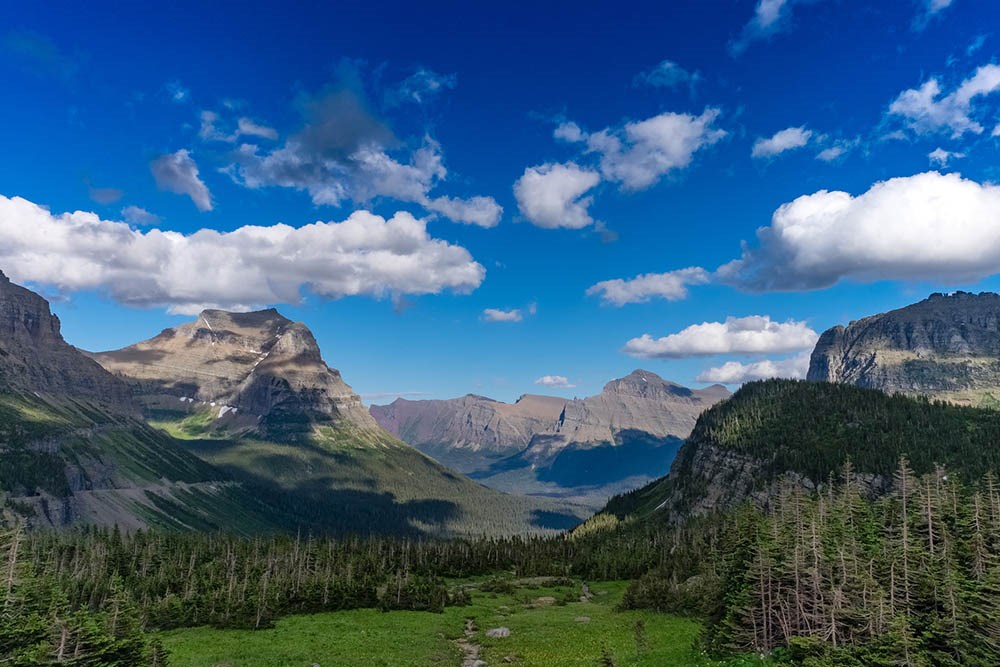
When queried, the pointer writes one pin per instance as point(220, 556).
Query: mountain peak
point(258, 369)
point(945, 346)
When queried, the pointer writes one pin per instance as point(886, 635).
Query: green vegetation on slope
point(813, 428)
point(342, 479)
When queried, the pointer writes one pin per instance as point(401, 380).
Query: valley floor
point(549, 627)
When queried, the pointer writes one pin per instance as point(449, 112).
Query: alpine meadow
point(476, 334)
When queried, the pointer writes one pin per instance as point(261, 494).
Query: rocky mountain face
point(946, 346)
point(73, 450)
point(584, 449)
point(470, 432)
point(35, 358)
point(256, 371)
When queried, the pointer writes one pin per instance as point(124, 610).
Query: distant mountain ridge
point(946, 346)
point(582, 448)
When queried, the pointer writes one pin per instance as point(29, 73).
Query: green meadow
point(549, 627)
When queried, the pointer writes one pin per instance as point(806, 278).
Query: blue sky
point(617, 144)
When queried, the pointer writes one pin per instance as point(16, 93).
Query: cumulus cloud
point(788, 139)
point(497, 315)
point(420, 87)
point(343, 153)
point(734, 372)
point(924, 227)
point(666, 74)
point(555, 381)
point(570, 132)
point(769, 18)
point(640, 153)
point(756, 334)
point(925, 110)
point(178, 173)
point(671, 286)
point(941, 157)
point(250, 266)
point(552, 195)
point(136, 215)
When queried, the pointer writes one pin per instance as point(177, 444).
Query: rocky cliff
point(254, 370)
point(35, 358)
point(946, 346)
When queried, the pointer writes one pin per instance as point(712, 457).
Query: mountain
point(779, 432)
point(583, 449)
point(74, 451)
point(471, 432)
point(34, 358)
point(259, 372)
point(251, 394)
point(946, 347)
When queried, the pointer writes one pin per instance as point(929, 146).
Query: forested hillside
point(805, 432)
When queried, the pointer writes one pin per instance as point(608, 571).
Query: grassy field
point(544, 633)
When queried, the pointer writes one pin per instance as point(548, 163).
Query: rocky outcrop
point(255, 370)
point(946, 346)
point(35, 358)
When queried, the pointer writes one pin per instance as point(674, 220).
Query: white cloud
point(497, 315)
point(479, 211)
point(249, 128)
point(556, 381)
point(769, 18)
point(640, 153)
point(788, 139)
point(139, 216)
point(924, 227)
point(734, 372)
point(570, 132)
point(666, 74)
point(671, 286)
point(250, 266)
point(178, 173)
point(924, 110)
point(552, 195)
point(839, 149)
point(419, 87)
point(930, 9)
point(756, 334)
point(941, 157)
point(343, 153)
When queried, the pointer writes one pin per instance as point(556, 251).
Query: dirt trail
point(470, 649)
